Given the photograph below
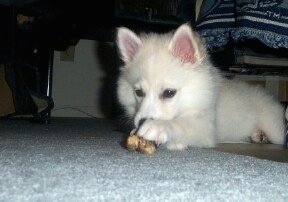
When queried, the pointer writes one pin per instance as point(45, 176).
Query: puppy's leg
point(180, 133)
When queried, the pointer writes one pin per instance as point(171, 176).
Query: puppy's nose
point(141, 122)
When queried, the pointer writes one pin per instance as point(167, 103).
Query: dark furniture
point(31, 30)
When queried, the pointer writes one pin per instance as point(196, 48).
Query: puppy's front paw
point(154, 130)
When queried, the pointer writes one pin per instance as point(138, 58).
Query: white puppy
point(178, 98)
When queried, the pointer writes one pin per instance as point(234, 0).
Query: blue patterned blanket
point(221, 21)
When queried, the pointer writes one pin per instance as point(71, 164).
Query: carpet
point(83, 159)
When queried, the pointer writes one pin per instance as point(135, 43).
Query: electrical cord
point(76, 109)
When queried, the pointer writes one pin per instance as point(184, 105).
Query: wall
point(85, 87)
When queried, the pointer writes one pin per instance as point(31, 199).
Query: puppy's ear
point(187, 45)
point(128, 43)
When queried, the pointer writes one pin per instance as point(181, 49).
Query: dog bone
point(136, 143)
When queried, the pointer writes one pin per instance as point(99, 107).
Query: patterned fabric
point(221, 21)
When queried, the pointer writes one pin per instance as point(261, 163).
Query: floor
point(82, 159)
point(264, 151)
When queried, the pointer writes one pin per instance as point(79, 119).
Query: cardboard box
point(6, 97)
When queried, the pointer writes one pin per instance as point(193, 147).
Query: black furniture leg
point(49, 83)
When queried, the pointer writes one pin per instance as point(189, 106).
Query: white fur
point(206, 109)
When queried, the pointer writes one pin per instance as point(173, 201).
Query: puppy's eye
point(139, 93)
point(168, 93)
